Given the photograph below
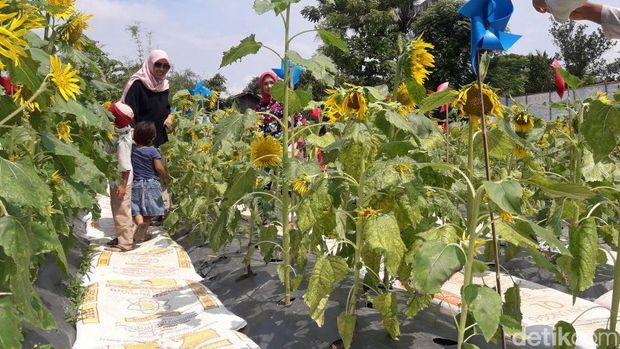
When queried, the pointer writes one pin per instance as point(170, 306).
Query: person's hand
point(540, 6)
point(120, 191)
point(169, 120)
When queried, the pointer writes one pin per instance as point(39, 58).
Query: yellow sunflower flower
point(13, 27)
point(56, 180)
point(523, 121)
point(106, 104)
point(76, 26)
point(506, 216)
point(403, 168)
point(354, 104)
point(520, 152)
point(469, 104)
point(64, 78)
point(300, 185)
point(195, 136)
point(61, 9)
point(50, 209)
point(602, 97)
point(420, 59)
point(213, 99)
point(266, 152)
point(478, 243)
point(63, 132)
point(204, 148)
point(235, 155)
point(109, 135)
point(365, 213)
point(406, 102)
point(22, 95)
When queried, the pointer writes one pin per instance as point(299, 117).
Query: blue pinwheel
point(489, 19)
point(294, 69)
point(201, 90)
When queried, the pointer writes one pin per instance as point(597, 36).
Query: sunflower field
point(375, 193)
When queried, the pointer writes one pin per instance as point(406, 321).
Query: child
point(120, 190)
point(148, 169)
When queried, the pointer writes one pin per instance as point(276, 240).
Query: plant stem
point(487, 172)
point(34, 96)
point(615, 295)
point(473, 207)
point(359, 240)
point(286, 238)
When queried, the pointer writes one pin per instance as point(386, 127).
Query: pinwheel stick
point(487, 171)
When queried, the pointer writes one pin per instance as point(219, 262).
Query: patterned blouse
point(270, 126)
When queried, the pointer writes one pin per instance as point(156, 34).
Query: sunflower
point(300, 185)
point(106, 105)
point(354, 104)
point(365, 213)
point(109, 135)
point(13, 27)
point(506, 216)
point(61, 9)
point(420, 59)
point(213, 99)
point(469, 104)
point(477, 244)
point(64, 78)
point(22, 95)
point(50, 209)
point(406, 102)
point(76, 26)
point(195, 136)
point(56, 180)
point(204, 148)
point(602, 97)
point(519, 151)
point(523, 121)
point(266, 151)
point(403, 168)
point(63, 132)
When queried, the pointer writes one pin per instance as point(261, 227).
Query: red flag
point(560, 85)
point(5, 82)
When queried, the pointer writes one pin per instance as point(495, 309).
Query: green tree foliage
point(217, 83)
point(442, 25)
point(515, 75)
point(371, 29)
point(581, 52)
point(182, 80)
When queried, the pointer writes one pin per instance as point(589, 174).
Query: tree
point(185, 79)
point(217, 83)
point(508, 73)
point(540, 75)
point(442, 25)
point(581, 52)
point(371, 29)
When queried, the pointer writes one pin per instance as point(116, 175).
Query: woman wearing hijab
point(147, 93)
point(272, 108)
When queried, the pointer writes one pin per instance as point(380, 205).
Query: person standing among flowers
point(147, 93)
point(120, 190)
point(149, 175)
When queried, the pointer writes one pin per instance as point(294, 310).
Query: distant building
point(245, 100)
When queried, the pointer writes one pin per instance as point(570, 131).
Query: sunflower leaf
point(506, 194)
point(333, 39)
point(383, 236)
point(248, 46)
point(328, 270)
point(601, 127)
point(320, 66)
point(436, 100)
point(435, 263)
point(564, 335)
point(386, 305)
point(22, 185)
point(346, 328)
point(556, 189)
point(486, 307)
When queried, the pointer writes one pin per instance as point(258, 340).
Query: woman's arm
point(161, 171)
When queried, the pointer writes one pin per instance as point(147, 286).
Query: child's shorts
point(146, 199)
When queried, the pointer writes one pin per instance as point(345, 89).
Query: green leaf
point(10, 327)
point(378, 93)
point(76, 195)
point(248, 46)
point(417, 303)
point(27, 73)
point(486, 307)
point(417, 92)
point(313, 206)
point(508, 233)
point(564, 336)
point(398, 121)
point(267, 236)
point(346, 328)
point(556, 189)
point(278, 6)
point(435, 263)
point(231, 128)
point(45, 240)
point(436, 100)
point(83, 116)
point(512, 304)
point(483, 66)
point(320, 66)
point(544, 234)
point(600, 128)
point(320, 141)
point(386, 305)
point(86, 172)
point(383, 236)
point(243, 183)
point(333, 39)
point(21, 185)
point(500, 144)
point(606, 339)
point(297, 99)
point(328, 270)
point(572, 81)
point(583, 245)
point(506, 194)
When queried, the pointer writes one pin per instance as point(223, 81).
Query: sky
point(195, 33)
